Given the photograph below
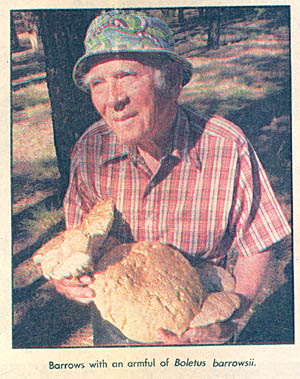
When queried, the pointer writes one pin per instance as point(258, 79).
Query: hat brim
point(87, 61)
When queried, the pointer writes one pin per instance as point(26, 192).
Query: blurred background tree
point(62, 34)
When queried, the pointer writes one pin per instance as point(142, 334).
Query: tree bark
point(181, 15)
point(14, 40)
point(213, 39)
point(62, 34)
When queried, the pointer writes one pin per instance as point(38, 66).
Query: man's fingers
point(167, 337)
point(217, 333)
point(84, 300)
point(73, 282)
point(195, 335)
point(85, 279)
point(79, 292)
point(76, 289)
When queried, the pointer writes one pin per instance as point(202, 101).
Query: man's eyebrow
point(91, 76)
point(123, 71)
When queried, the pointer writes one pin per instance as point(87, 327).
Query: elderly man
point(175, 176)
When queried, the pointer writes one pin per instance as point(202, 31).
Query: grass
point(30, 96)
point(45, 168)
point(35, 171)
point(247, 70)
point(34, 158)
point(38, 177)
point(41, 219)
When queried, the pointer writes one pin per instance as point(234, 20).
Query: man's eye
point(126, 74)
point(95, 82)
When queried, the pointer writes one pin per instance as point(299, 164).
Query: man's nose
point(117, 97)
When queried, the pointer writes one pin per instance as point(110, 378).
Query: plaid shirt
point(209, 196)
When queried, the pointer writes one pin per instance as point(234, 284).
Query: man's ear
point(174, 79)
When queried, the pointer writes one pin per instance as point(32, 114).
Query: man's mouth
point(125, 117)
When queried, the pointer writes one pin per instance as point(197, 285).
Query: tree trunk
point(181, 15)
point(213, 39)
point(62, 34)
point(14, 43)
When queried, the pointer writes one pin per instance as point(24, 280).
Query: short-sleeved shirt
point(209, 195)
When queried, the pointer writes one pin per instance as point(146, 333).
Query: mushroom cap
point(99, 219)
point(145, 286)
point(217, 307)
point(64, 255)
point(70, 253)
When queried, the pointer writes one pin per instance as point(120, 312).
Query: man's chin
point(127, 140)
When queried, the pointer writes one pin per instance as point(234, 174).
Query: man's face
point(123, 91)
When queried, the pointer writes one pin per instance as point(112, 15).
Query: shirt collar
point(179, 135)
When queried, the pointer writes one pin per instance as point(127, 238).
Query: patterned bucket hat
point(126, 31)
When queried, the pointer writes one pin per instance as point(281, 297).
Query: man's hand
point(217, 333)
point(76, 289)
point(249, 273)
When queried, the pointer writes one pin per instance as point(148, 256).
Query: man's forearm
point(249, 273)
